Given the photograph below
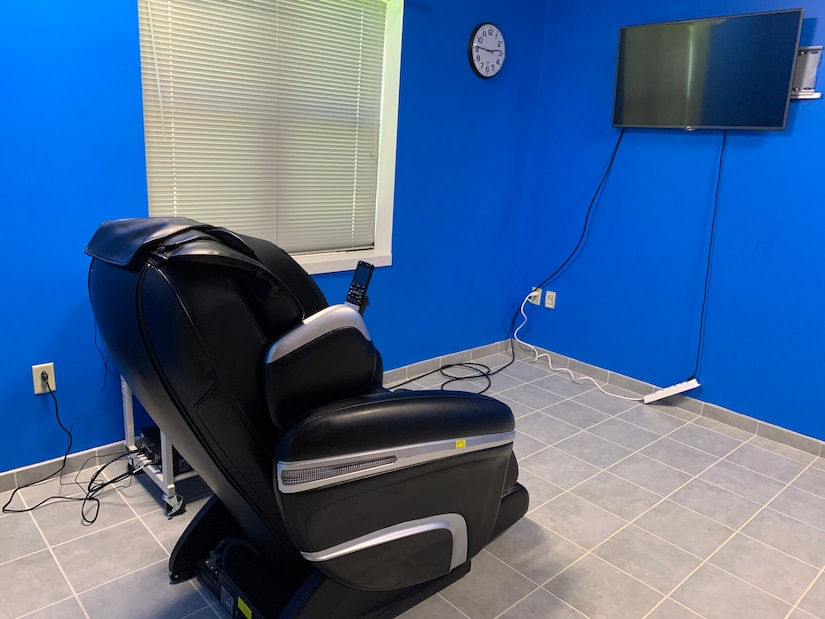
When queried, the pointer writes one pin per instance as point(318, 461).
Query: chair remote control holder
point(357, 295)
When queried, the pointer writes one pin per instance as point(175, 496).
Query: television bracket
point(804, 75)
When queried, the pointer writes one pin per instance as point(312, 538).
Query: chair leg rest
point(514, 504)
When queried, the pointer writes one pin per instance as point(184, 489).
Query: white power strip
point(669, 391)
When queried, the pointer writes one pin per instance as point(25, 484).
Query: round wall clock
point(486, 50)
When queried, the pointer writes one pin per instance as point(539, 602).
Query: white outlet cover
point(550, 299)
point(36, 370)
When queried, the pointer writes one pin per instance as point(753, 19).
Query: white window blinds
point(264, 116)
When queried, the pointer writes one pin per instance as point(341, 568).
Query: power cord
point(483, 371)
point(537, 357)
point(700, 336)
point(93, 487)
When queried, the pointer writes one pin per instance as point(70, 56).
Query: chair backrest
point(187, 312)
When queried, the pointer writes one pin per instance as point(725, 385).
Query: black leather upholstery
point(340, 494)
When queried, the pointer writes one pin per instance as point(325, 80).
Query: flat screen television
point(731, 72)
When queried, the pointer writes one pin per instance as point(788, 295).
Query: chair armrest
point(326, 358)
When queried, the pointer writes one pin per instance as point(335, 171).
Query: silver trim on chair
point(303, 475)
point(327, 320)
point(454, 523)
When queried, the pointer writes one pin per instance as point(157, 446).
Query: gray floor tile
point(166, 601)
point(168, 530)
point(650, 419)
point(716, 503)
point(801, 614)
point(19, 537)
point(67, 609)
point(723, 428)
point(534, 551)
point(540, 491)
point(706, 440)
point(214, 611)
point(782, 449)
point(669, 609)
point(812, 480)
point(766, 462)
point(541, 603)
point(563, 385)
point(742, 481)
point(558, 467)
point(679, 456)
point(655, 562)
point(524, 446)
point(518, 409)
point(577, 520)
point(545, 428)
point(651, 474)
point(624, 434)
point(601, 591)
point(604, 403)
point(131, 539)
point(527, 370)
point(593, 450)
point(616, 495)
point(434, 607)
point(765, 568)
point(61, 522)
point(789, 535)
point(35, 580)
point(532, 396)
point(814, 600)
point(685, 528)
point(802, 505)
point(717, 595)
point(576, 414)
point(490, 588)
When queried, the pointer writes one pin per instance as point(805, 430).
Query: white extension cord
point(550, 363)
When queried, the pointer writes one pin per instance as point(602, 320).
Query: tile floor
point(635, 512)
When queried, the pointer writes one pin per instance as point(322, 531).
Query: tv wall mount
point(804, 75)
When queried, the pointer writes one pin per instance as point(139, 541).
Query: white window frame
point(381, 252)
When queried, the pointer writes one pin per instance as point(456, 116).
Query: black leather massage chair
point(333, 497)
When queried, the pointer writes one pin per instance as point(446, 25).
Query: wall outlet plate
point(550, 299)
point(39, 384)
point(535, 296)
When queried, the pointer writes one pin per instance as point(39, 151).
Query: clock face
point(486, 50)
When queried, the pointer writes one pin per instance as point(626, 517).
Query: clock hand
point(492, 51)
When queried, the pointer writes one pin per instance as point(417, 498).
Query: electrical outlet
point(535, 296)
point(37, 378)
point(550, 299)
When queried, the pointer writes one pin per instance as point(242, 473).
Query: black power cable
point(481, 370)
point(700, 336)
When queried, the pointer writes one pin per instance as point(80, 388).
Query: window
point(275, 118)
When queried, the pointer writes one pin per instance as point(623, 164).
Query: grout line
point(804, 593)
point(59, 566)
point(42, 608)
point(722, 545)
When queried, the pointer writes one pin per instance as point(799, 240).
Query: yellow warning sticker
point(245, 610)
point(460, 444)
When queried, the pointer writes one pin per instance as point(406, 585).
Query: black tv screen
point(717, 73)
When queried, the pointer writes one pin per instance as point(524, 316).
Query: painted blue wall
point(631, 300)
point(72, 156)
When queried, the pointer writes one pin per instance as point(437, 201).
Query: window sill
point(335, 262)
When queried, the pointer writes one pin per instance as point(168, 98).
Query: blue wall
point(72, 156)
point(493, 179)
point(631, 300)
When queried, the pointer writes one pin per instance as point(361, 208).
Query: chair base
point(248, 587)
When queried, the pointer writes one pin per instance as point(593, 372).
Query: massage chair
point(333, 497)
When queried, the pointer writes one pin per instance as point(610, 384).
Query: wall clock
point(486, 50)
